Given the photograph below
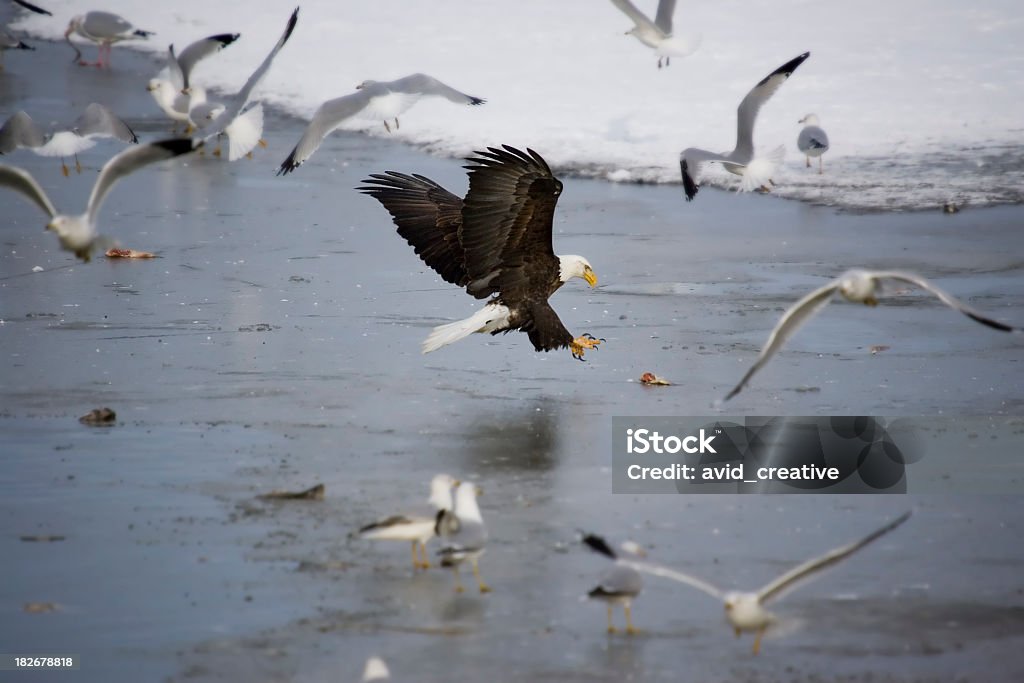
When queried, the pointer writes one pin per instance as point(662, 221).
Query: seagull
point(243, 128)
point(657, 34)
point(375, 670)
point(33, 8)
point(78, 234)
point(418, 527)
point(463, 534)
point(739, 160)
point(859, 286)
point(373, 99)
point(812, 141)
point(744, 610)
point(104, 29)
point(97, 121)
point(620, 584)
point(9, 42)
point(176, 93)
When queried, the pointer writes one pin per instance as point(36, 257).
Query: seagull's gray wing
point(99, 122)
point(200, 50)
point(619, 581)
point(813, 567)
point(690, 161)
point(663, 20)
point(422, 84)
point(791, 320)
point(234, 107)
point(947, 299)
point(131, 160)
point(33, 8)
point(327, 118)
point(20, 131)
point(638, 17)
point(812, 137)
point(101, 25)
point(20, 181)
point(746, 115)
point(672, 574)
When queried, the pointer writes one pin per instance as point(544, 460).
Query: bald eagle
point(496, 243)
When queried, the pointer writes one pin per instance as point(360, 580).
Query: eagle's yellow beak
point(590, 277)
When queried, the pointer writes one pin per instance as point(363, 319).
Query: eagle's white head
point(576, 266)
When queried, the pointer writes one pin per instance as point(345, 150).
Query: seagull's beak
point(479, 491)
point(456, 483)
point(51, 226)
point(590, 277)
point(150, 88)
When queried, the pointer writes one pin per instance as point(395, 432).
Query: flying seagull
point(78, 234)
point(738, 161)
point(620, 584)
point(33, 8)
point(244, 127)
point(812, 141)
point(176, 93)
point(495, 243)
point(9, 42)
point(859, 286)
point(104, 29)
point(96, 122)
point(657, 34)
point(373, 99)
point(463, 534)
point(744, 610)
point(417, 527)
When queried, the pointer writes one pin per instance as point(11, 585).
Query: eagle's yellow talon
point(582, 344)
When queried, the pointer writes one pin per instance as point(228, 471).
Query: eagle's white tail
point(244, 133)
point(488, 319)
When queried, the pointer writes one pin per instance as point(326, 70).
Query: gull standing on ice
point(417, 527)
point(9, 42)
point(812, 141)
point(658, 34)
point(463, 534)
point(373, 99)
point(620, 584)
point(78, 234)
point(96, 122)
point(745, 610)
point(243, 128)
point(104, 29)
point(859, 286)
point(741, 161)
point(176, 94)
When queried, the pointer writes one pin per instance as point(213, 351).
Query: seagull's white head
point(441, 491)
point(576, 266)
point(744, 611)
point(859, 286)
point(75, 234)
point(633, 548)
point(376, 670)
point(809, 120)
point(365, 84)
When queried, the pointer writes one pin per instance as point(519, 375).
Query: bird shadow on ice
point(524, 438)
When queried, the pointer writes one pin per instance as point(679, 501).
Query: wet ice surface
point(275, 344)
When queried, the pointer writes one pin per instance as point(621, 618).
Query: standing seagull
point(418, 526)
point(78, 234)
point(176, 94)
point(745, 610)
point(620, 584)
point(657, 34)
point(859, 286)
point(738, 161)
point(9, 42)
point(374, 99)
point(495, 243)
point(463, 534)
point(243, 128)
point(812, 141)
point(104, 29)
